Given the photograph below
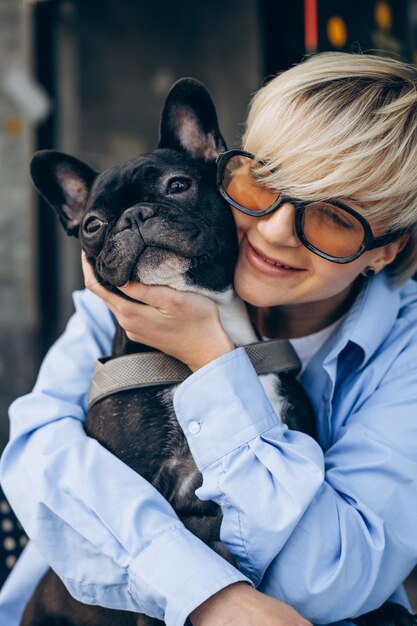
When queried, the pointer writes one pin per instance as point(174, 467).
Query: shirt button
point(194, 427)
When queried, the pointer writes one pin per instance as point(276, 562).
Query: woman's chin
point(254, 294)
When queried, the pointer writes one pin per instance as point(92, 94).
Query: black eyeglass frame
point(369, 242)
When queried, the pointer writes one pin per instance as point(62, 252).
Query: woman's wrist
point(216, 348)
point(211, 606)
point(240, 604)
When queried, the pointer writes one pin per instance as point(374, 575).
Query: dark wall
point(135, 50)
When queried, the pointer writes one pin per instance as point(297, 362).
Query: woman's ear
point(403, 242)
point(388, 253)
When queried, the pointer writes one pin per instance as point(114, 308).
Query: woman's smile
point(265, 264)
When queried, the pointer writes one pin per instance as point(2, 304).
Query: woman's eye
point(92, 225)
point(178, 184)
point(337, 219)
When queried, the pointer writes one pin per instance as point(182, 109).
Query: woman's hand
point(181, 324)
point(241, 605)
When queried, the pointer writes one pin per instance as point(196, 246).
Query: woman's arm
point(333, 535)
point(317, 531)
point(112, 538)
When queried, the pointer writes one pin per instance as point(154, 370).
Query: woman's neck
point(299, 320)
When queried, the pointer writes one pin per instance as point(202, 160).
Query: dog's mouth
point(160, 266)
point(150, 265)
point(157, 252)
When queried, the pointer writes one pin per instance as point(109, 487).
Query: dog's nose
point(133, 216)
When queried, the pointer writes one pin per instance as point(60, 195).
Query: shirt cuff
point(222, 406)
point(176, 573)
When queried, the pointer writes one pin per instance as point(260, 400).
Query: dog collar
point(148, 369)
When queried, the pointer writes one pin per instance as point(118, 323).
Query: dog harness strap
point(148, 369)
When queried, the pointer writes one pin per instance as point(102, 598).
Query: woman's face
point(275, 269)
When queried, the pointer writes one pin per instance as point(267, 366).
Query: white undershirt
point(306, 347)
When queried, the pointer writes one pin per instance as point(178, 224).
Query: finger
point(92, 284)
point(90, 279)
point(161, 297)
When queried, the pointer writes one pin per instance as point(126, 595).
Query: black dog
point(157, 219)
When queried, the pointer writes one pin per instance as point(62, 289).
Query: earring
point(369, 271)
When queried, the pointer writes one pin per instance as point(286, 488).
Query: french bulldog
point(160, 220)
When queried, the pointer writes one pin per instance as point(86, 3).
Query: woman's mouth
point(266, 264)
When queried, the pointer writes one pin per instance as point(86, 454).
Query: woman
point(327, 527)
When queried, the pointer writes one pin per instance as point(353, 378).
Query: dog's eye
point(178, 184)
point(92, 225)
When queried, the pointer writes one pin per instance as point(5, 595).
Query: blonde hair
point(344, 126)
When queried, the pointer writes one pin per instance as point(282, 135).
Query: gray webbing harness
point(146, 369)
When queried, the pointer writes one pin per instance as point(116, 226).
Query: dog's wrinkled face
point(158, 218)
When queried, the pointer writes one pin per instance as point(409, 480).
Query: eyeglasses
point(328, 228)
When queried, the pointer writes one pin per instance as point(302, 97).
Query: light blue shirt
point(328, 527)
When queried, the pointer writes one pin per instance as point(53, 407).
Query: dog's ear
point(189, 121)
point(65, 183)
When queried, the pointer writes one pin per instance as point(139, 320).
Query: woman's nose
point(278, 227)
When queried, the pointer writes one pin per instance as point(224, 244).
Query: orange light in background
point(13, 126)
point(337, 32)
point(310, 25)
point(383, 15)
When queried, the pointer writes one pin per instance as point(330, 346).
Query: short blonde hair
point(344, 126)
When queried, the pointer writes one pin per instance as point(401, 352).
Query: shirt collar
point(370, 318)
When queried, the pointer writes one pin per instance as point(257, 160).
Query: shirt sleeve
point(331, 534)
point(111, 537)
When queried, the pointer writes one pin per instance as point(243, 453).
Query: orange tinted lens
point(332, 230)
point(240, 183)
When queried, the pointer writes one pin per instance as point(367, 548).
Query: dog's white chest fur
point(235, 320)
